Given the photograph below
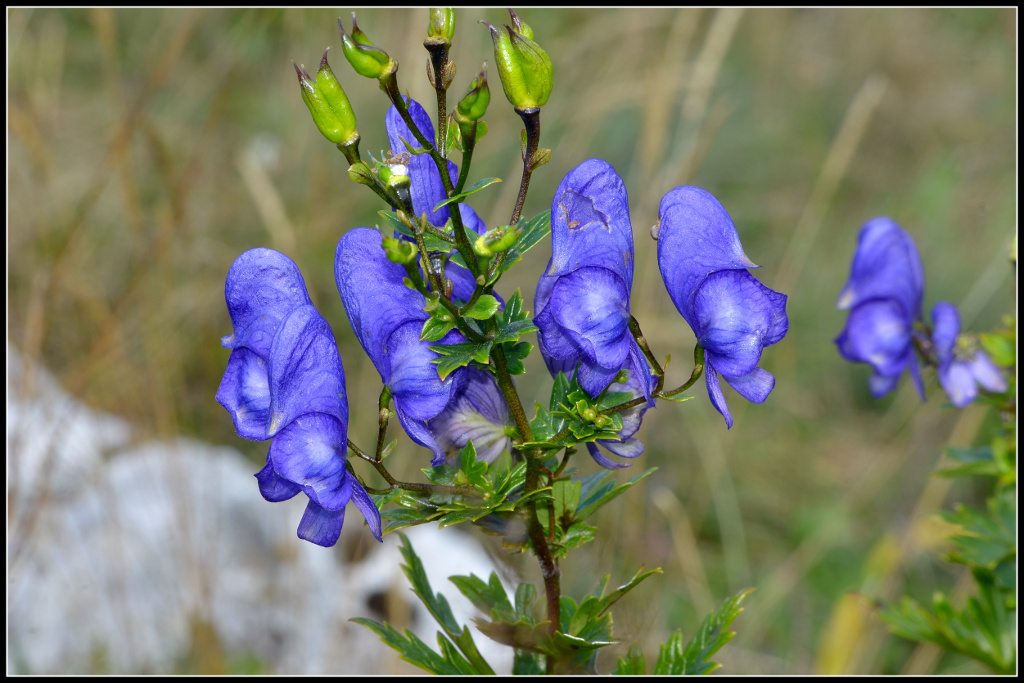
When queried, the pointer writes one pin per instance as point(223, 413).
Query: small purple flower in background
point(884, 296)
point(962, 366)
point(387, 318)
point(731, 313)
point(427, 188)
point(285, 382)
point(582, 300)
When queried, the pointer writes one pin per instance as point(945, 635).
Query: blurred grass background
point(148, 148)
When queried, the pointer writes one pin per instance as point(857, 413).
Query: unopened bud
point(365, 58)
point(327, 102)
point(359, 172)
point(523, 65)
point(589, 414)
point(602, 421)
point(399, 251)
point(496, 240)
point(442, 23)
point(473, 104)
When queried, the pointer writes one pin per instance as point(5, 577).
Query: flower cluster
point(284, 381)
point(884, 296)
point(732, 314)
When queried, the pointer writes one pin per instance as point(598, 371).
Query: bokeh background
point(148, 148)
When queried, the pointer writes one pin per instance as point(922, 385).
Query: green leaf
point(483, 308)
point(411, 648)
point(513, 321)
point(566, 497)
point(435, 328)
point(475, 187)
point(1000, 348)
point(488, 597)
point(454, 356)
point(693, 659)
point(633, 664)
point(594, 492)
point(534, 230)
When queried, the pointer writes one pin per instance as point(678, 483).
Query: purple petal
point(591, 305)
point(470, 219)
point(947, 328)
point(987, 373)
point(641, 372)
point(365, 505)
point(420, 433)
point(262, 288)
point(594, 378)
point(245, 392)
point(881, 385)
point(321, 526)
point(696, 238)
point(716, 395)
point(603, 461)
point(877, 332)
point(958, 383)
point(414, 380)
point(310, 452)
point(733, 316)
point(273, 486)
point(590, 222)
point(376, 301)
point(886, 265)
point(753, 386)
point(628, 448)
point(427, 188)
point(305, 371)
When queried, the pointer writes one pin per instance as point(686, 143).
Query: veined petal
point(419, 433)
point(414, 380)
point(590, 222)
point(321, 526)
point(263, 286)
point(376, 301)
point(245, 392)
point(427, 188)
point(753, 386)
point(591, 305)
point(886, 265)
point(594, 377)
point(369, 511)
point(696, 238)
point(306, 374)
point(733, 316)
point(716, 395)
point(273, 486)
point(477, 412)
point(310, 452)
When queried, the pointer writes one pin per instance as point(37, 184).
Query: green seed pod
point(524, 67)
point(442, 23)
point(327, 102)
point(473, 104)
point(366, 59)
point(399, 251)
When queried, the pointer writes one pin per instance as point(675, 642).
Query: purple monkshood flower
point(884, 296)
point(387, 318)
point(731, 313)
point(962, 366)
point(582, 299)
point(284, 381)
point(477, 411)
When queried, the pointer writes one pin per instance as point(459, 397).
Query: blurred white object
point(117, 549)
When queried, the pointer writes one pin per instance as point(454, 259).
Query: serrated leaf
point(455, 356)
point(475, 187)
point(534, 230)
point(595, 494)
point(482, 309)
point(710, 637)
point(411, 648)
point(633, 664)
point(435, 328)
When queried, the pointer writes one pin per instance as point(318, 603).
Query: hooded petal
point(427, 188)
point(696, 238)
point(263, 286)
point(590, 222)
point(376, 301)
point(306, 374)
point(886, 265)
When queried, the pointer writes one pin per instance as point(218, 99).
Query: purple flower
point(285, 382)
point(582, 299)
point(427, 187)
point(884, 297)
point(387, 318)
point(731, 313)
point(962, 366)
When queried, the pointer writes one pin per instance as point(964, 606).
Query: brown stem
point(531, 120)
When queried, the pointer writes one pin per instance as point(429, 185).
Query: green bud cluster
point(327, 102)
point(523, 65)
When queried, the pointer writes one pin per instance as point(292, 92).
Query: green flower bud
point(359, 172)
point(589, 414)
point(442, 23)
point(496, 240)
point(523, 65)
point(473, 104)
point(366, 59)
point(602, 421)
point(327, 102)
point(399, 251)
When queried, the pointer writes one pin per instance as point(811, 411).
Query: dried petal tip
point(521, 26)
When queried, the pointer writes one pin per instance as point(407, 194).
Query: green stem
point(468, 145)
point(409, 486)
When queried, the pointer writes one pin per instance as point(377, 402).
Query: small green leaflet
point(472, 189)
point(454, 356)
